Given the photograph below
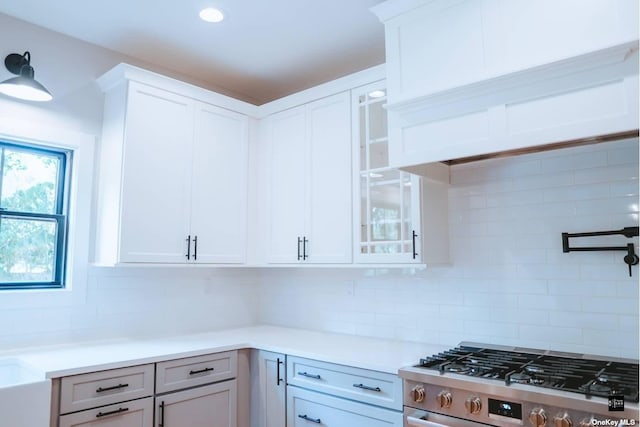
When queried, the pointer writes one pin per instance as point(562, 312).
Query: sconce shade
point(24, 86)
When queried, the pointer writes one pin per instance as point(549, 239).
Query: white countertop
point(369, 353)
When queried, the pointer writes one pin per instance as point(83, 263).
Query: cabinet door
point(156, 175)
point(329, 180)
point(208, 406)
point(269, 394)
point(136, 413)
point(288, 167)
point(307, 408)
point(219, 185)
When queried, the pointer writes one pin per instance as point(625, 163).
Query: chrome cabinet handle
point(299, 241)
point(115, 387)
point(366, 387)
point(188, 239)
point(304, 374)
point(414, 235)
point(313, 420)
point(117, 411)
point(200, 371)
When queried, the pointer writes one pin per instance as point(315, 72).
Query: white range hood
point(481, 77)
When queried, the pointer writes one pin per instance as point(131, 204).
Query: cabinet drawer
point(193, 371)
point(86, 391)
point(137, 413)
point(375, 388)
point(306, 408)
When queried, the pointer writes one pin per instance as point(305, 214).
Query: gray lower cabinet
point(207, 406)
point(137, 413)
point(198, 391)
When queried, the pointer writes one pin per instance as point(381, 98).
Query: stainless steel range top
point(507, 386)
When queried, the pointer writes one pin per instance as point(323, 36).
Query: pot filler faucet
point(630, 258)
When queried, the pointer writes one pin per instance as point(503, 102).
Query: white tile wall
point(138, 302)
point(509, 282)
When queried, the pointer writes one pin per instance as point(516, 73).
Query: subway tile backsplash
point(508, 282)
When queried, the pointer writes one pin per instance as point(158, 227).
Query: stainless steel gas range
point(508, 386)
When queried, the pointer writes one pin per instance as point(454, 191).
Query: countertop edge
point(375, 354)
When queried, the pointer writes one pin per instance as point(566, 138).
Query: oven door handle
point(417, 422)
point(420, 418)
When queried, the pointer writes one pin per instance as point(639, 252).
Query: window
point(33, 216)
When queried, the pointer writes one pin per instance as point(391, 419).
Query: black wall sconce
point(25, 85)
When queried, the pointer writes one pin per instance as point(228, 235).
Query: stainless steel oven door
point(420, 418)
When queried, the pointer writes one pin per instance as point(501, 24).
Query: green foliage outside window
point(32, 217)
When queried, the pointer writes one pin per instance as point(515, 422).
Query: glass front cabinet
point(387, 203)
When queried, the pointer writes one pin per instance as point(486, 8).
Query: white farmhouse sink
point(25, 395)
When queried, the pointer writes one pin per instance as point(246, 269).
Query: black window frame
point(60, 217)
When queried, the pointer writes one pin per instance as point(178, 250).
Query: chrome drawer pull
point(313, 420)
point(117, 411)
point(304, 374)
point(200, 371)
point(115, 387)
point(366, 387)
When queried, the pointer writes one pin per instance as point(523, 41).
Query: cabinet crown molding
point(126, 72)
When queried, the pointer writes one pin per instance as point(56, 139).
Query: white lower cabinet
point(208, 406)
point(268, 389)
point(328, 394)
point(308, 408)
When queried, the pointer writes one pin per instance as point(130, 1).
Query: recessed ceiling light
point(377, 94)
point(211, 14)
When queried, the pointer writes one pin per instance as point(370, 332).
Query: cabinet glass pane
point(363, 139)
point(364, 197)
point(377, 120)
point(385, 207)
point(379, 153)
point(406, 207)
point(385, 249)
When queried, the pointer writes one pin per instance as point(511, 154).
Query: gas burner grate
point(575, 374)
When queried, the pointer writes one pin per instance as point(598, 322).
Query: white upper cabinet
point(173, 179)
point(156, 175)
point(472, 77)
point(219, 184)
point(309, 182)
point(398, 217)
point(287, 169)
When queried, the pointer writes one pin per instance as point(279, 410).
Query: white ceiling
point(263, 50)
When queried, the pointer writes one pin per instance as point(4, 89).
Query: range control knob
point(538, 417)
point(444, 399)
point(562, 420)
point(417, 394)
point(473, 404)
point(587, 422)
